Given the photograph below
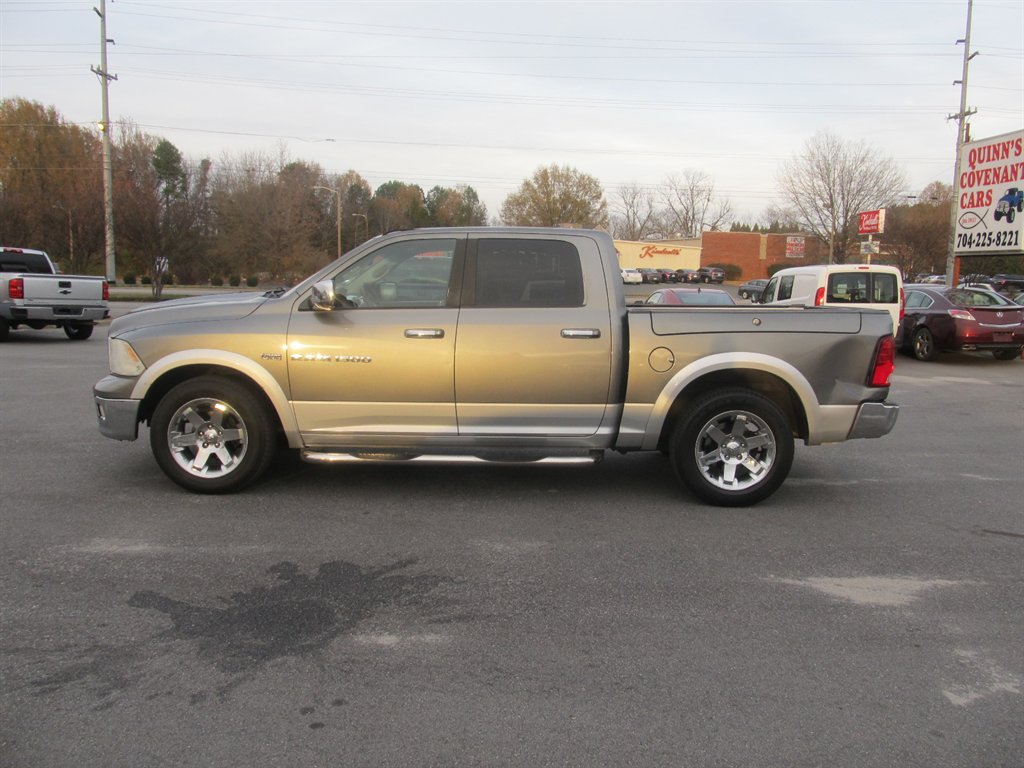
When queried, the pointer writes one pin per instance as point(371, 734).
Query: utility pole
point(108, 164)
point(961, 138)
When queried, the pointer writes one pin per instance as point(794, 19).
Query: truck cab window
point(528, 273)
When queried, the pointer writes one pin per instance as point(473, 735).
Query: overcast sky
point(483, 93)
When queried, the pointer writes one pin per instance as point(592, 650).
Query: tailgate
point(57, 290)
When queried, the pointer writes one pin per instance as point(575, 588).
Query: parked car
point(940, 319)
point(690, 297)
point(631, 276)
point(668, 276)
point(875, 286)
point(711, 275)
point(752, 288)
point(1007, 284)
point(687, 276)
point(650, 275)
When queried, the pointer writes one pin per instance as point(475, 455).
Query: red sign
point(871, 222)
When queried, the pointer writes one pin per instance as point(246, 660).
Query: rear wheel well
point(767, 384)
point(173, 378)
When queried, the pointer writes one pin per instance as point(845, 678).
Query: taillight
point(961, 314)
point(885, 362)
point(819, 297)
point(903, 302)
point(106, 291)
point(16, 288)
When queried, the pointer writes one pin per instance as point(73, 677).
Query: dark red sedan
point(690, 297)
point(939, 319)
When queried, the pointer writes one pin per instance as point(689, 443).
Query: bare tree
point(634, 213)
point(691, 206)
point(831, 181)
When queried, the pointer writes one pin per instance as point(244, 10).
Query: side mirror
point(323, 297)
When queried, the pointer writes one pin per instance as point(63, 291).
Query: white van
point(839, 285)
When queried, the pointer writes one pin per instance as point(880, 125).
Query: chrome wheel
point(733, 447)
point(735, 450)
point(207, 438)
point(213, 435)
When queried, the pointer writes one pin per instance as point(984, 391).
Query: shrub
point(129, 278)
point(234, 281)
point(217, 281)
point(147, 280)
point(252, 281)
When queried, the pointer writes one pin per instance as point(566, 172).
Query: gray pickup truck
point(33, 295)
point(490, 344)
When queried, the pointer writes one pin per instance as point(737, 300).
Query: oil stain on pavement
point(300, 614)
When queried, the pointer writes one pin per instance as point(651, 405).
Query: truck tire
point(733, 448)
point(78, 331)
point(212, 435)
point(5, 329)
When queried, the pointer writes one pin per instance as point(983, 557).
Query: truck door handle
point(424, 333)
point(581, 333)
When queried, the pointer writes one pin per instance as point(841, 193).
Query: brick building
point(754, 252)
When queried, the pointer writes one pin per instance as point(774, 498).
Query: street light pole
point(337, 194)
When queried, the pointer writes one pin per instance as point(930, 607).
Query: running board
point(391, 457)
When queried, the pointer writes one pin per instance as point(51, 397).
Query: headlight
point(123, 360)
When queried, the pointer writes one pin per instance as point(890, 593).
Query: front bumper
point(874, 420)
point(118, 419)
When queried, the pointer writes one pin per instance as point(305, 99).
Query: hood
point(194, 309)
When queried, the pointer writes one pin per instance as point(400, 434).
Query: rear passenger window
point(528, 273)
point(916, 299)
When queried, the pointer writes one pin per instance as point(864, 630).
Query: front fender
point(222, 359)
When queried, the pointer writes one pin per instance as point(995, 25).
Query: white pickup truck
point(33, 295)
point(490, 344)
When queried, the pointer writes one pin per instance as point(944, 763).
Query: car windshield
point(967, 298)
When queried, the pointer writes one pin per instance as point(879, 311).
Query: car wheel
point(212, 435)
point(924, 345)
point(1010, 215)
point(734, 448)
point(1005, 354)
point(744, 295)
point(78, 331)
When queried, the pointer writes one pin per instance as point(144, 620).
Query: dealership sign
point(654, 251)
point(990, 196)
point(871, 222)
